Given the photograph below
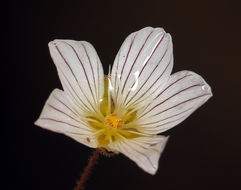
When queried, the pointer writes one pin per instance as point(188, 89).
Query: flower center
point(113, 122)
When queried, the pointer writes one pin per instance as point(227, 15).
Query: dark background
point(203, 152)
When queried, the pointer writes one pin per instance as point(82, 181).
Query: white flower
point(125, 111)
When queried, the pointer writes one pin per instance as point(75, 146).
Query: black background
point(203, 152)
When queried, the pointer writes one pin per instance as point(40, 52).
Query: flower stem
point(87, 170)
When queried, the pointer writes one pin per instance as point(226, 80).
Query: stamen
point(115, 123)
point(112, 121)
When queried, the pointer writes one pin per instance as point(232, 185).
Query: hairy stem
point(89, 167)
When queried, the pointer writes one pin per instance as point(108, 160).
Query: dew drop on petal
point(204, 87)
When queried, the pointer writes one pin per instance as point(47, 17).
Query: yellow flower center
point(113, 122)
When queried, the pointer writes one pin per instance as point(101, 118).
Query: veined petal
point(144, 151)
point(80, 72)
point(62, 115)
point(183, 94)
point(144, 60)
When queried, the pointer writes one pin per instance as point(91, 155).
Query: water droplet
point(204, 87)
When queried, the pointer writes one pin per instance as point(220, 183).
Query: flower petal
point(80, 71)
point(145, 151)
point(183, 94)
point(143, 61)
point(62, 115)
